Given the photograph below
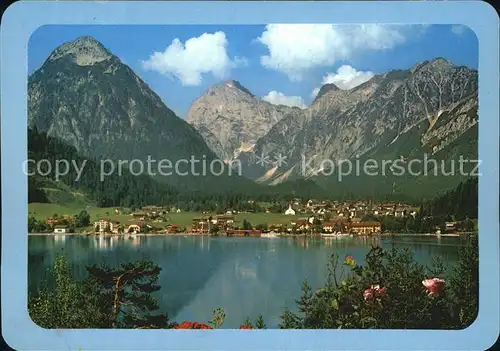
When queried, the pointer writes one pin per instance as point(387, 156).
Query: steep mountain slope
point(231, 119)
point(435, 103)
point(87, 97)
point(400, 177)
point(45, 190)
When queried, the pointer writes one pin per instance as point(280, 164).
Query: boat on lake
point(269, 235)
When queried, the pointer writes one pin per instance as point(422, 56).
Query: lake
point(245, 276)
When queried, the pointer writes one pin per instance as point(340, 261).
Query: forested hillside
point(462, 202)
point(114, 190)
point(128, 190)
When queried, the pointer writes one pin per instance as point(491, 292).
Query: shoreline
point(224, 236)
point(112, 234)
point(426, 234)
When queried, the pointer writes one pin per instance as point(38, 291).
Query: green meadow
point(41, 211)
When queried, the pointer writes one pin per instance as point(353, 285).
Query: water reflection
point(204, 242)
point(105, 242)
point(135, 240)
point(246, 276)
point(59, 237)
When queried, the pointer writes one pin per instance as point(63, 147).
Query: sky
point(281, 63)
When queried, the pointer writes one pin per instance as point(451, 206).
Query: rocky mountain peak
point(237, 85)
point(85, 51)
point(105, 110)
point(229, 86)
point(326, 89)
point(439, 63)
point(231, 119)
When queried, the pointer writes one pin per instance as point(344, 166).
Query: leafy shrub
point(390, 292)
point(108, 298)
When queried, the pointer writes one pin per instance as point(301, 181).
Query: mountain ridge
point(85, 95)
point(435, 95)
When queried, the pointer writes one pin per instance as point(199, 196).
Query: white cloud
point(296, 48)
point(277, 98)
point(346, 77)
point(188, 61)
point(458, 29)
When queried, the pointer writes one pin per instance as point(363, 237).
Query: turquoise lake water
point(245, 276)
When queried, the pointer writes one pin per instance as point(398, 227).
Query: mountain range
point(427, 111)
point(231, 119)
point(86, 97)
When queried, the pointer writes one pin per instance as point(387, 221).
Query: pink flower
point(192, 325)
point(381, 291)
point(378, 291)
point(434, 286)
point(373, 291)
point(368, 294)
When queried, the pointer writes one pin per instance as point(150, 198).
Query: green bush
point(108, 298)
point(403, 302)
point(70, 304)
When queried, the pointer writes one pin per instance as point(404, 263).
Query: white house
point(290, 211)
point(61, 229)
point(102, 224)
point(134, 228)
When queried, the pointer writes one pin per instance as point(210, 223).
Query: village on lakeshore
point(297, 217)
